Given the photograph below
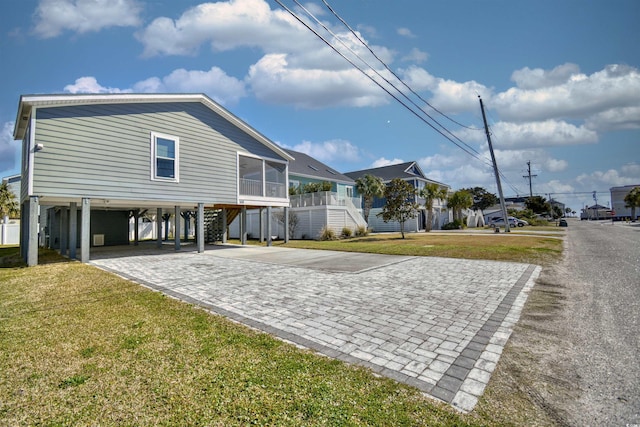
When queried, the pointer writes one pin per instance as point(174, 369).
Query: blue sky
point(560, 79)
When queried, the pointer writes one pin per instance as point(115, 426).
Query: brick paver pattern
point(435, 323)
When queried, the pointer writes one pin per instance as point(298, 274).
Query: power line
point(371, 78)
point(355, 34)
point(380, 75)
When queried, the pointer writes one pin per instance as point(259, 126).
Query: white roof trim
point(27, 102)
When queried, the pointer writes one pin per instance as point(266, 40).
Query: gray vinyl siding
point(104, 151)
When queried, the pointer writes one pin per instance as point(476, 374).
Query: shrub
point(361, 231)
point(346, 232)
point(327, 233)
point(455, 225)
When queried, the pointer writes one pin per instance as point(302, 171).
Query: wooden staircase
point(214, 225)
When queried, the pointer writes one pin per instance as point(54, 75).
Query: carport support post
point(42, 230)
point(261, 222)
point(176, 233)
point(200, 228)
point(64, 230)
point(224, 225)
point(32, 233)
point(136, 227)
point(286, 225)
point(73, 229)
point(243, 226)
point(269, 226)
point(159, 227)
point(85, 230)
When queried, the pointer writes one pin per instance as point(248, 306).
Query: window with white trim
point(164, 157)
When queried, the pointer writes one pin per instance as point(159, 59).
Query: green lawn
point(517, 247)
point(79, 346)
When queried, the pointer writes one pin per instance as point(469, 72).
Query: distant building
point(617, 201)
point(596, 212)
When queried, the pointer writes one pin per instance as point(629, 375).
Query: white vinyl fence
point(10, 232)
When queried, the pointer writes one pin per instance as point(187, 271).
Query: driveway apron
point(438, 324)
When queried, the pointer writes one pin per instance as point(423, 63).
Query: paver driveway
point(438, 324)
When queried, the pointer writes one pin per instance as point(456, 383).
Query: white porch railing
point(254, 187)
point(323, 198)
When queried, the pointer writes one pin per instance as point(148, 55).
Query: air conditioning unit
point(98, 240)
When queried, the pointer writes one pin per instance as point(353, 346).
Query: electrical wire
point(294, 15)
point(357, 36)
point(383, 77)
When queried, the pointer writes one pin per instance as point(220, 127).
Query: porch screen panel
point(276, 179)
point(250, 174)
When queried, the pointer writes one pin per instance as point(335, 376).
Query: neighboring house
point(556, 204)
point(617, 201)
point(91, 162)
point(335, 209)
point(596, 212)
point(410, 172)
point(13, 183)
point(10, 227)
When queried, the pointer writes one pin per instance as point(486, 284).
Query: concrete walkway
point(437, 324)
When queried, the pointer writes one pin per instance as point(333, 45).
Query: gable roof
point(406, 170)
point(306, 166)
point(28, 102)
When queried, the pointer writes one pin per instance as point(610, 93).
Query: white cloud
point(632, 170)
point(216, 83)
point(615, 119)
point(555, 186)
point(416, 55)
point(226, 25)
point(405, 32)
point(368, 30)
point(540, 134)
point(329, 151)
point(527, 78)
point(306, 73)
point(55, 16)
point(273, 81)
point(604, 180)
point(455, 97)
point(385, 162)
point(8, 147)
point(580, 96)
point(459, 170)
point(89, 84)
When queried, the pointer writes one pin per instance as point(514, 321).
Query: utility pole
point(529, 176)
point(495, 170)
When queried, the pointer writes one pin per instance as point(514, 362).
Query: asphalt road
point(601, 322)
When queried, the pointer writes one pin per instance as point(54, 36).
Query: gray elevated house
point(93, 162)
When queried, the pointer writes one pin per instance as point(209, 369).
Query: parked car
point(563, 223)
point(513, 222)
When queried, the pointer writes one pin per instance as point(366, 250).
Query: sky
point(560, 80)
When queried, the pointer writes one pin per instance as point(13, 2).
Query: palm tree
point(458, 201)
point(632, 200)
point(369, 187)
point(430, 193)
point(8, 203)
